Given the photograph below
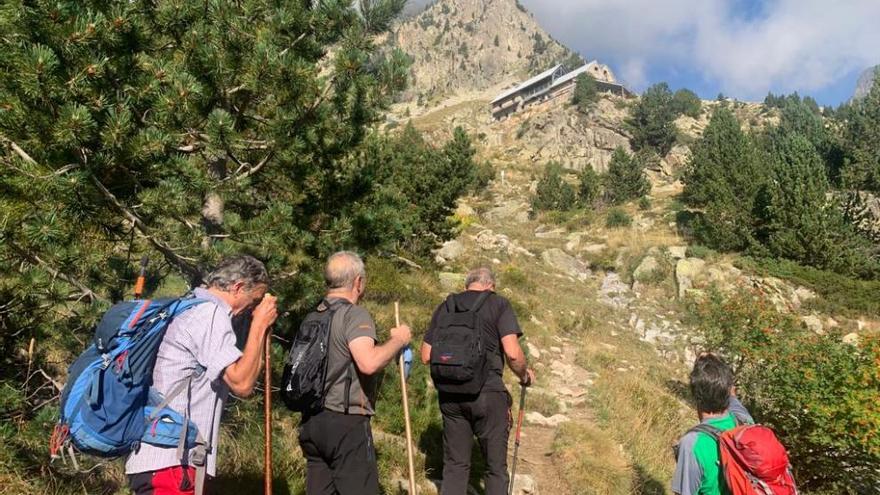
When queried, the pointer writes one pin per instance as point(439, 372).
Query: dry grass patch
point(592, 461)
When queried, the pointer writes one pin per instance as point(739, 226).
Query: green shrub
point(553, 192)
point(590, 188)
point(700, 251)
point(644, 203)
point(818, 393)
point(617, 217)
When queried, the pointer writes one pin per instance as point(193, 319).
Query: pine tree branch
point(36, 260)
point(256, 168)
point(29, 159)
point(182, 263)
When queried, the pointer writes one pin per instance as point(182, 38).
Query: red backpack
point(753, 460)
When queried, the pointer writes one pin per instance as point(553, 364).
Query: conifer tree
point(804, 222)
point(585, 92)
point(553, 192)
point(861, 135)
point(651, 122)
point(626, 178)
point(724, 177)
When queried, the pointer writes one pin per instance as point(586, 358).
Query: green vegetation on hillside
point(817, 391)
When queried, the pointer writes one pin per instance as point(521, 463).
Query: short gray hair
point(480, 275)
point(342, 269)
point(238, 268)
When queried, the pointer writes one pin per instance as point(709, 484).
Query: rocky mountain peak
point(866, 80)
point(466, 45)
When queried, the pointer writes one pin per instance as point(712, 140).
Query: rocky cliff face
point(466, 45)
point(866, 80)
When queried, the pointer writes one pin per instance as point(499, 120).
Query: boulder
point(488, 240)
point(567, 264)
point(536, 418)
point(452, 282)
point(510, 210)
point(646, 268)
point(524, 484)
point(813, 323)
point(614, 292)
point(677, 252)
point(686, 270)
point(449, 251)
point(534, 352)
point(851, 338)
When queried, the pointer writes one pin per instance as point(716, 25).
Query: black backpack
point(458, 353)
point(304, 380)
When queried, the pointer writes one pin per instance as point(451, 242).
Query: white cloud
point(789, 45)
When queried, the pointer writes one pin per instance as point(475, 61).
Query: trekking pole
point(142, 277)
point(519, 421)
point(409, 447)
point(267, 449)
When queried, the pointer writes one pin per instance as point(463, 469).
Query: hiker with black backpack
point(727, 453)
point(196, 367)
point(331, 376)
point(469, 336)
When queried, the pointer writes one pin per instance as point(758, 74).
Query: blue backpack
point(107, 405)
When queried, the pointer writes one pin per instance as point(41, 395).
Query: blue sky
point(742, 48)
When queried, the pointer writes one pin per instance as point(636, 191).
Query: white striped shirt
point(201, 338)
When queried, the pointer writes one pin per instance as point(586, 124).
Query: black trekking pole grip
point(519, 422)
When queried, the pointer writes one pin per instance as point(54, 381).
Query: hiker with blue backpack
point(470, 335)
point(727, 453)
point(331, 376)
point(157, 375)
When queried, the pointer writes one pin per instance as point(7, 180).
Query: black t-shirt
point(499, 321)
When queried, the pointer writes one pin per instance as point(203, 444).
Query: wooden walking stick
point(267, 449)
point(519, 422)
point(409, 447)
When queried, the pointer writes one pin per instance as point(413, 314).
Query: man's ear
point(237, 286)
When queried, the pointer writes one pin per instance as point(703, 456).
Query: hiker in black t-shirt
point(485, 413)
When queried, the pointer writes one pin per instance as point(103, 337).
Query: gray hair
point(342, 269)
point(238, 268)
point(481, 275)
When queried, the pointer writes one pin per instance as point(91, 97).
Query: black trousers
point(339, 452)
point(488, 417)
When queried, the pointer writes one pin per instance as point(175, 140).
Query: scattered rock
point(851, 339)
point(452, 282)
point(555, 349)
point(524, 484)
point(573, 393)
point(574, 240)
point(534, 352)
point(510, 210)
point(488, 240)
point(677, 252)
point(566, 263)
point(595, 248)
point(686, 270)
point(813, 323)
point(646, 268)
point(544, 232)
point(613, 291)
point(449, 251)
point(536, 418)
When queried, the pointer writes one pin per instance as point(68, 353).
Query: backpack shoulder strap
point(341, 309)
point(708, 429)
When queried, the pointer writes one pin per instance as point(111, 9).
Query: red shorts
point(177, 480)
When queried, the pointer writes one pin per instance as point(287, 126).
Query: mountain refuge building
point(553, 83)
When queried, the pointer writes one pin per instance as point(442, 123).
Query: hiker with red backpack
point(469, 336)
point(727, 453)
